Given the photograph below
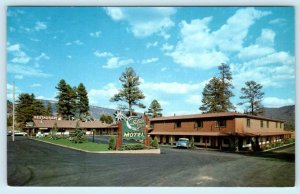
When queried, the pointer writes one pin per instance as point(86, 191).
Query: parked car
point(20, 133)
point(183, 143)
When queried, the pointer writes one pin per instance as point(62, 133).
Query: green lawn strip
point(87, 146)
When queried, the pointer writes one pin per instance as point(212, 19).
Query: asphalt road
point(32, 163)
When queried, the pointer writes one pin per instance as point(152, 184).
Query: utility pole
point(13, 130)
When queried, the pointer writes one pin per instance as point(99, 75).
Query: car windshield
point(183, 140)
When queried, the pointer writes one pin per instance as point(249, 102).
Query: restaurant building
point(45, 124)
point(220, 130)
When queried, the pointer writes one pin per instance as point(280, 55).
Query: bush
point(78, 136)
point(112, 143)
point(288, 141)
point(154, 143)
point(53, 134)
point(133, 147)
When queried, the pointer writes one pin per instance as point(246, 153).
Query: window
point(221, 123)
point(276, 125)
point(248, 122)
point(261, 124)
point(267, 124)
point(280, 125)
point(178, 124)
point(199, 124)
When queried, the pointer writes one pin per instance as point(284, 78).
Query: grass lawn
point(88, 146)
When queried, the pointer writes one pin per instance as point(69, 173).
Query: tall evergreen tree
point(130, 92)
point(226, 87)
point(66, 104)
point(83, 100)
point(253, 95)
point(212, 96)
point(155, 109)
point(49, 109)
point(27, 107)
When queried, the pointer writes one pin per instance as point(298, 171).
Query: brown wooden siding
point(209, 125)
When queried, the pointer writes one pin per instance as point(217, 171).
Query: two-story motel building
point(219, 130)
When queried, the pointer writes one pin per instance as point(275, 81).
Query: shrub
point(112, 143)
point(53, 134)
point(78, 136)
point(155, 143)
point(133, 147)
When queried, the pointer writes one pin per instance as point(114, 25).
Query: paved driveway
point(33, 163)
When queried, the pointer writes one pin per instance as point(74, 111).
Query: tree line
point(73, 102)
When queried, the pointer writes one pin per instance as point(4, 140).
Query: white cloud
point(26, 71)
point(115, 62)
point(151, 44)
point(167, 47)
point(40, 26)
point(19, 56)
point(254, 51)
point(14, 48)
point(95, 34)
point(230, 37)
point(103, 95)
point(150, 60)
point(172, 87)
point(151, 20)
point(35, 85)
point(194, 99)
point(69, 57)
point(163, 69)
point(75, 42)
point(199, 47)
point(278, 21)
point(272, 70)
point(266, 38)
point(277, 102)
point(42, 56)
point(103, 54)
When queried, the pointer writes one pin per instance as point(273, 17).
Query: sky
point(174, 50)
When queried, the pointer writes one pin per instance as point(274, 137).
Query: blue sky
point(174, 50)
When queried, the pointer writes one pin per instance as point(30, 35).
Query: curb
point(152, 151)
point(279, 147)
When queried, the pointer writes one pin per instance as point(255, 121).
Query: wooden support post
point(119, 140)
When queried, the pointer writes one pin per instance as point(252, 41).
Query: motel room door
point(213, 142)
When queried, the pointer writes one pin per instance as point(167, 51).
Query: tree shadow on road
point(288, 157)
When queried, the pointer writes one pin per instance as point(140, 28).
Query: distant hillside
point(95, 111)
point(285, 113)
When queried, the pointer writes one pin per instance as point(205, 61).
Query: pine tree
point(226, 87)
point(49, 109)
point(130, 92)
point(66, 104)
point(83, 100)
point(212, 93)
point(253, 96)
point(155, 109)
point(27, 107)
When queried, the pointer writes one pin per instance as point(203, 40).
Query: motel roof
point(199, 133)
point(212, 115)
point(67, 124)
